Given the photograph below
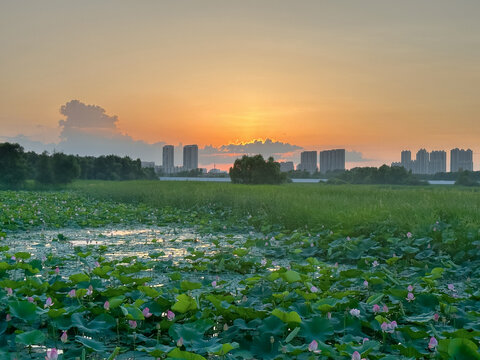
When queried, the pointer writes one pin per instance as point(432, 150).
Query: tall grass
point(300, 205)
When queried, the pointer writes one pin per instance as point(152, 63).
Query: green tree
point(65, 168)
point(43, 169)
point(13, 169)
point(255, 170)
point(466, 178)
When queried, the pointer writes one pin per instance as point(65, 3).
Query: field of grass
point(196, 271)
point(351, 208)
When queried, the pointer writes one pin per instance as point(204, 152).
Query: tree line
point(17, 166)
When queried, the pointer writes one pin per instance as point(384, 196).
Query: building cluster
point(426, 163)
point(330, 160)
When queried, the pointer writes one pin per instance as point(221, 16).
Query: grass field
point(352, 208)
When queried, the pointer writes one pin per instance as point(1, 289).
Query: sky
point(274, 76)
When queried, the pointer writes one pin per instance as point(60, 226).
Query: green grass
point(349, 207)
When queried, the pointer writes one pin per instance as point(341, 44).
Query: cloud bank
point(89, 130)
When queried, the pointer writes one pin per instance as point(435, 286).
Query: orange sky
point(371, 76)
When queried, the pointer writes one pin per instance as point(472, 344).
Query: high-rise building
point(461, 160)
point(168, 164)
point(308, 161)
point(422, 160)
point(406, 160)
point(286, 166)
point(190, 157)
point(438, 162)
point(332, 160)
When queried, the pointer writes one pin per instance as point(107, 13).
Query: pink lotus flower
point(410, 297)
point(384, 326)
point(146, 312)
point(375, 263)
point(180, 342)
point(433, 343)
point(214, 283)
point(13, 258)
point(264, 262)
point(90, 290)
point(365, 340)
point(57, 270)
point(106, 305)
point(71, 293)
point(132, 324)
point(410, 288)
point(30, 299)
point(97, 264)
point(355, 313)
point(409, 234)
point(52, 354)
point(8, 317)
point(313, 346)
point(329, 315)
point(385, 309)
point(365, 283)
point(170, 315)
point(376, 308)
point(9, 291)
point(451, 287)
point(64, 337)
point(313, 289)
point(436, 317)
point(48, 302)
point(356, 356)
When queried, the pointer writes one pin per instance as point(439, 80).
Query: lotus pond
point(90, 279)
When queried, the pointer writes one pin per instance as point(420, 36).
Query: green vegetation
point(255, 170)
point(215, 271)
point(467, 178)
point(395, 175)
point(296, 206)
point(60, 169)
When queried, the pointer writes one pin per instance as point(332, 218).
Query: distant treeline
point(394, 175)
point(17, 166)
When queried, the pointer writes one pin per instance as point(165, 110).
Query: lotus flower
point(52, 354)
point(30, 299)
point(64, 337)
point(432, 344)
point(356, 356)
point(180, 342)
point(97, 264)
point(410, 297)
point(436, 317)
point(48, 302)
point(329, 315)
point(410, 288)
point(365, 283)
point(8, 317)
point(72, 293)
point(409, 234)
point(146, 312)
point(384, 326)
point(57, 270)
point(355, 313)
point(132, 324)
point(375, 263)
point(90, 290)
point(170, 315)
point(106, 305)
point(214, 283)
point(385, 309)
point(9, 291)
point(451, 287)
point(313, 289)
point(313, 346)
point(376, 308)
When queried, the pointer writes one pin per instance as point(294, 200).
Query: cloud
point(226, 154)
point(88, 130)
point(355, 156)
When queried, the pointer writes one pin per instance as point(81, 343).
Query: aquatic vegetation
point(184, 289)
